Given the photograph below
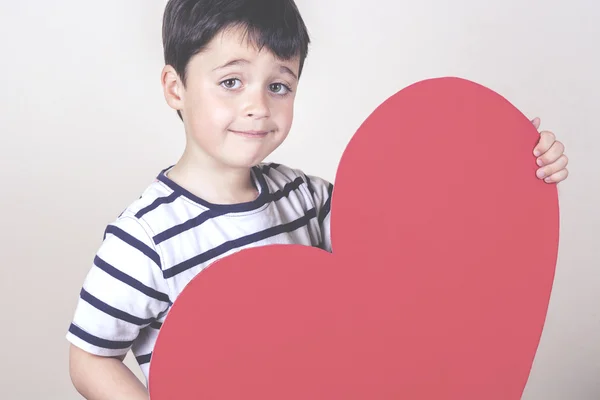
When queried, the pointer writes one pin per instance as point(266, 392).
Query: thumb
point(536, 122)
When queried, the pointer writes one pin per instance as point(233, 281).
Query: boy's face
point(238, 102)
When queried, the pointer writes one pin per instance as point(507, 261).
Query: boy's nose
point(257, 105)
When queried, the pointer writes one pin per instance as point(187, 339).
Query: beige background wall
point(84, 128)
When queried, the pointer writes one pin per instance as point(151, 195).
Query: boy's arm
point(103, 378)
point(123, 293)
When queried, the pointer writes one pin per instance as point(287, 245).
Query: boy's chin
point(247, 158)
point(243, 162)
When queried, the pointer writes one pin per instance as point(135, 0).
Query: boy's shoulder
point(133, 217)
point(284, 179)
point(283, 174)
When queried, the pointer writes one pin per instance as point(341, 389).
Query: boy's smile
point(251, 134)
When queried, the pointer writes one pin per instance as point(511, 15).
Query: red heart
point(444, 249)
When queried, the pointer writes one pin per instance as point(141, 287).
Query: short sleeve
point(321, 191)
point(124, 291)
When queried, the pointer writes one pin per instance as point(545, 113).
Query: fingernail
point(540, 162)
point(540, 173)
point(536, 153)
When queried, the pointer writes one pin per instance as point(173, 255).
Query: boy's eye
point(279, 88)
point(230, 83)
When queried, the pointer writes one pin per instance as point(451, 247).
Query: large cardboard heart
point(444, 251)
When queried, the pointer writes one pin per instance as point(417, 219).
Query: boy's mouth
point(251, 133)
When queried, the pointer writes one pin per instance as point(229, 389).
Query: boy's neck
point(214, 183)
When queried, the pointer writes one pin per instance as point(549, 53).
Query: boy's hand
point(550, 157)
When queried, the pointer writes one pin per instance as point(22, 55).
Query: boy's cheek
point(283, 118)
point(286, 107)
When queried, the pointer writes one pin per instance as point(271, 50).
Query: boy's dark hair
point(188, 26)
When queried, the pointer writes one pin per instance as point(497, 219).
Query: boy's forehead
point(235, 44)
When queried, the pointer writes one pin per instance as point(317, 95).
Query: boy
point(232, 70)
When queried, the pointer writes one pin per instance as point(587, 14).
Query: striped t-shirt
point(166, 237)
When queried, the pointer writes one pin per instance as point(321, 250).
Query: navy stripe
point(243, 241)
point(144, 359)
point(213, 213)
point(287, 189)
point(108, 227)
point(157, 203)
point(156, 325)
point(309, 184)
point(136, 243)
point(163, 313)
point(327, 206)
point(99, 342)
point(267, 167)
point(128, 280)
point(189, 224)
point(113, 312)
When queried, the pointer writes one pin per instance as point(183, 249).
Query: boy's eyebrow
point(238, 61)
point(285, 70)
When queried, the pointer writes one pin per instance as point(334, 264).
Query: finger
point(536, 122)
point(554, 168)
point(558, 177)
point(546, 140)
point(553, 154)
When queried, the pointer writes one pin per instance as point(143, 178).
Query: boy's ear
point(172, 88)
